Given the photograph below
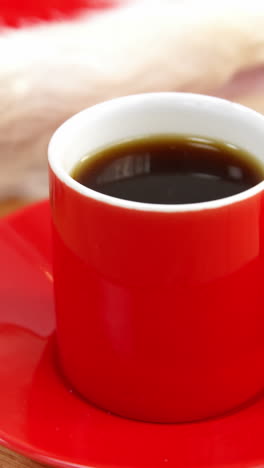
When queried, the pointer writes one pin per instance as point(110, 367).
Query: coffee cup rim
point(67, 129)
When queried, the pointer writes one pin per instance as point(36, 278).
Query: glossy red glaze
point(42, 418)
point(160, 315)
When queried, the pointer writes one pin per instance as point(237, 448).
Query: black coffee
point(169, 170)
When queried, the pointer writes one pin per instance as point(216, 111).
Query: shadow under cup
point(159, 307)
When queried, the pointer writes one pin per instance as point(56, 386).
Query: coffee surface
point(169, 170)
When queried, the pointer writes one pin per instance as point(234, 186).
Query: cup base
point(161, 414)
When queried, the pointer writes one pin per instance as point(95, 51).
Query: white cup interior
point(149, 114)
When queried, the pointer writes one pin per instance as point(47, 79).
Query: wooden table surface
point(9, 206)
point(9, 459)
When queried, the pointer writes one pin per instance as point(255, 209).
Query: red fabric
point(16, 12)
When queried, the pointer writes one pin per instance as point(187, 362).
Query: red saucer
point(43, 419)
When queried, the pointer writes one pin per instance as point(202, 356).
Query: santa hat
point(52, 69)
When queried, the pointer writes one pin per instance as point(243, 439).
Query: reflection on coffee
point(169, 170)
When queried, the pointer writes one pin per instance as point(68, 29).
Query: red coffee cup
point(159, 307)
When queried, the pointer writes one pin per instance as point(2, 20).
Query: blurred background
point(60, 56)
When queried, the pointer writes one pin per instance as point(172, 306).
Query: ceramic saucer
point(42, 418)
